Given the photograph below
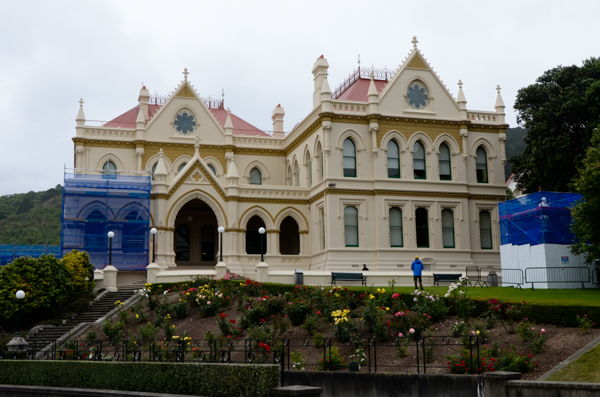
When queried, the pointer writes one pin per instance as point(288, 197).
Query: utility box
point(492, 279)
point(299, 277)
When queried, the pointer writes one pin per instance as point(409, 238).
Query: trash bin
point(492, 279)
point(299, 277)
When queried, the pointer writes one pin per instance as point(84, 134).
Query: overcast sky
point(261, 53)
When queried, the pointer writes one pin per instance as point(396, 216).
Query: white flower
point(415, 299)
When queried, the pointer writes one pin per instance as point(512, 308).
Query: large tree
point(586, 213)
point(560, 112)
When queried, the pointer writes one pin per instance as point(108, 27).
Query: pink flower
point(543, 330)
point(400, 335)
point(412, 330)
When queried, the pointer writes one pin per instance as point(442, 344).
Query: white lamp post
point(20, 296)
point(110, 237)
point(18, 343)
point(221, 230)
point(153, 232)
point(262, 245)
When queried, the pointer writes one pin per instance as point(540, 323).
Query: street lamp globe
point(153, 231)
point(20, 294)
point(261, 230)
point(111, 234)
point(221, 229)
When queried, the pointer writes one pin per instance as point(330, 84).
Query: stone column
point(494, 382)
point(110, 278)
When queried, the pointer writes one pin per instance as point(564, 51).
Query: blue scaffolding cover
point(10, 252)
point(538, 218)
point(94, 204)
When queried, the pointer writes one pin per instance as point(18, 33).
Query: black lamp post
point(110, 237)
point(261, 231)
point(153, 232)
point(20, 295)
point(221, 230)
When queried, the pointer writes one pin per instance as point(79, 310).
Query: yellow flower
point(175, 337)
point(137, 316)
point(387, 309)
point(478, 332)
point(371, 296)
point(337, 295)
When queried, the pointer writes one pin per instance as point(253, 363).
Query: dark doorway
point(195, 235)
point(253, 238)
point(289, 237)
point(422, 221)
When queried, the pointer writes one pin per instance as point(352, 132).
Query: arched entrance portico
point(195, 237)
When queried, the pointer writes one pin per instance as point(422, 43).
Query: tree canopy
point(586, 213)
point(560, 112)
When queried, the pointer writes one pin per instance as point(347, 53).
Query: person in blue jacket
point(417, 268)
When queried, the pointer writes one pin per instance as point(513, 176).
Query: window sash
point(448, 228)
point(351, 226)
point(422, 227)
point(255, 177)
point(396, 238)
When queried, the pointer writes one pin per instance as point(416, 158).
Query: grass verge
point(584, 369)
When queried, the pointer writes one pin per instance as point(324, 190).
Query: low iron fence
point(573, 274)
point(494, 277)
point(415, 355)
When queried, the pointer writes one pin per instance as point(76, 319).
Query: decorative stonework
point(417, 63)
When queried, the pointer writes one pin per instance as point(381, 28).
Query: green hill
point(31, 218)
point(515, 145)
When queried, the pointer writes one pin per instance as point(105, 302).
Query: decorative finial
point(460, 83)
point(160, 152)
point(185, 73)
point(372, 75)
point(498, 88)
point(222, 93)
point(228, 111)
point(197, 143)
point(81, 102)
point(415, 41)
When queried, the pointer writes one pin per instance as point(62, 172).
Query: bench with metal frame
point(450, 278)
point(572, 274)
point(337, 276)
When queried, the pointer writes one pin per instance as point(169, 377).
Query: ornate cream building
point(388, 166)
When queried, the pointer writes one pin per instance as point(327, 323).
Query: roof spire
point(415, 41)
point(185, 73)
point(499, 102)
point(358, 63)
point(80, 116)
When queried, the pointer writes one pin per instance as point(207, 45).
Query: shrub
point(401, 345)
point(82, 271)
point(312, 323)
point(359, 356)
point(254, 316)
point(332, 361)
point(181, 309)
point(460, 328)
point(536, 341)
point(510, 315)
point(374, 317)
point(345, 329)
point(457, 295)
point(319, 339)
point(429, 303)
point(297, 313)
point(585, 324)
point(148, 331)
point(113, 330)
point(298, 360)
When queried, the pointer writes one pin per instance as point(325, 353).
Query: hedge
point(215, 380)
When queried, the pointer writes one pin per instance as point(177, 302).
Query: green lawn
point(585, 369)
point(509, 294)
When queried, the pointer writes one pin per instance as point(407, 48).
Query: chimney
point(143, 100)
point(277, 117)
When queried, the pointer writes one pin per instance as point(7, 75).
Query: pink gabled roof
point(127, 119)
point(240, 127)
point(359, 90)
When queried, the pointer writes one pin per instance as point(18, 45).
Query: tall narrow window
point(255, 177)
point(419, 161)
point(448, 228)
point(485, 229)
point(445, 165)
point(393, 160)
point(296, 174)
point(396, 227)
point(481, 165)
point(321, 162)
point(322, 219)
point(349, 158)
point(309, 166)
point(109, 170)
point(181, 167)
point(422, 223)
point(253, 237)
point(154, 169)
point(351, 226)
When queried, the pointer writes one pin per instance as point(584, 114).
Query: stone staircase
point(98, 309)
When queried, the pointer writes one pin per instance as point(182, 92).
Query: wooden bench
point(450, 278)
point(336, 276)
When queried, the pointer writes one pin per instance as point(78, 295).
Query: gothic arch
point(256, 210)
point(360, 145)
point(420, 136)
point(294, 213)
point(95, 205)
point(201, 195)
point(305, 155)
point(180, 160)
point(264, 171)
point(398, 137)
point(209, 160)
point(109, 157)
point(489, 148)
point(132, 207)
point(152, 160)
point(449, 140)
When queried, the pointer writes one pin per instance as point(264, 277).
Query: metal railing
point(492, 276)
point(573, 274)
point(416, 356)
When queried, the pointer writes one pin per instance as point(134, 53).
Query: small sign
point(564, 259)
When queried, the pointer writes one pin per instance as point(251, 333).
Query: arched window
point(396, 239)
point(419, 161)
point(485, 229)
point(322, 220)
point(182, 242)
point(422, 223)
point(349, 158)
point(109, 170)
point(212, 169)
point(321, 162)
point(154, 169)
point(448, 228)
point(296, 174)
point(255, 176)
point(288, 178)
point(134, 232)
point(309, 169)
point(481, 167)
point(445, 165)
point(393, 159)
point(253, 237)
point(351, 226)
point(289, 237)
point(181, 167)
point(95, 232)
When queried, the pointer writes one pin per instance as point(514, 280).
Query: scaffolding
point(10, 252)
point(94, 204)
point(538, 218)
